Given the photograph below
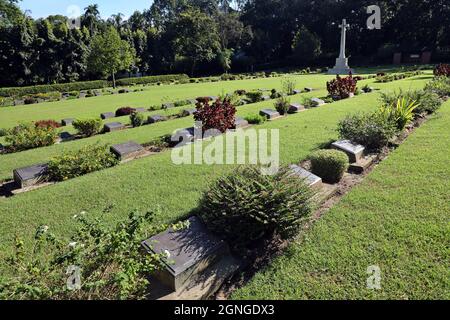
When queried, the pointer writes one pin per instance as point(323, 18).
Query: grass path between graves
point(397, 219)
point(155, 181)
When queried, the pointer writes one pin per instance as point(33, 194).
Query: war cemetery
point(206, 150)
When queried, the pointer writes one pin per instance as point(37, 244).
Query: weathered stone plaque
point(295, 91)
point(168, 105)
point(188, 112)
point(127, 150)
point(265, 98)
point(317, 102)
point(308, 89)
point(67, 122)
point(156, 118)
point(269, 114)
point(295, 108)
point(140, 110)
point(312, 180)
point(107, 115)
point(113, 126)
point(355, 152)
point(29, 176)
point(189, 252)
point(213, 98)
point(240, 123)
point(183, 137)
point(64, 136)
point(192, 101)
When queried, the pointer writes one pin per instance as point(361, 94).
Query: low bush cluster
point(255, 119)
point(151, 79)
point(439, 86)
point(342, 88)
point(246, 206)
point(254, 96)
point(330, 165)
point(282, 105)
point(400, 76)
point(47, 124)
point(137, 119)
point(124, 111)
point(89, 127)
point(427, 102)
point(219, 115)
point(401, 112)
point(77, 163)
point(29, 136)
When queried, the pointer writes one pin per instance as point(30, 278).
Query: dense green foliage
point(440, 86)
point(137, 119)
point(89, 127)
point(282, 105)
point(152, 79)
point(62, 87)
point(29, 136)
point(247, 205)
point(427, 102)
point(330, 165)
point(75, 164)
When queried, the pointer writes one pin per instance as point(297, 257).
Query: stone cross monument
point(341, 66)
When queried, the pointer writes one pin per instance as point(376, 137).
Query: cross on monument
point(341, 66)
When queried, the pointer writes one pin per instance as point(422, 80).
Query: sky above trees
point(44, 8)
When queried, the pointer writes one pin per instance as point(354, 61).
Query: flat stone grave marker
point(317, 102)
point(265, 98)
point(189, 252)
point(312, 180)
point(67, 122)
point(140, 110)
point(213, 98)
point(295, 91)
point(107, 115)
point(82, 95)
point(19, 102)
point(263, 90)
point(65, 136)
point(240, 123)
point(157, 118)
point(355, 152)
point(113, 126)
point(183, 137)
point(168, 105)
point(295, 108)
point(29, 176)
point(188, 112)
point(127, 150)
point(269, 114)
point(308, 89)
point(192, 101)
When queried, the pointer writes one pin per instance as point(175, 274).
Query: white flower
point(72, 244)
point(167, 253)
point(45, 228)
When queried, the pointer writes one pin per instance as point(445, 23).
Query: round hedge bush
point(246, 205)
point(330, 165)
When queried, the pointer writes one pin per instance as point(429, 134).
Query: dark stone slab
point(265, 98)
point(67, 122)
point(29, 176)
point(183, 137)
point(66, 136)
point(269, 114)
point(168, 105)
point(188, 112)
point(240, 123)
point(297, 91)
point(113, 126)
point(307, 89)
point(190, 251)
point(127, 150)
point(355, 152)
point(310, 178)
point(107, 115)
point(157, 118)
point(140, 110)
point(317, 102)
point(295, 108)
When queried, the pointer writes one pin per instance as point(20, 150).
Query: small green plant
point(254, 96)
point(288, 86)
point(29, 136)
point(88, 128)
point(246, 206)
point(282, 105)
point(401, 112)
point(97, 262)
point(77, 163)
point(137, 119)
point(255, 119)
point(440, 86)
point(330, 165)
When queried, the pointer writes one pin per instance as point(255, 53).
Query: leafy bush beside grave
point(137, 119)
point(219, 115)
point(442, 70)
point(440, 86)
point(29, 136)
point(282, 105)
point(371, 130)
point(152, 79)
point(288, 86)
point(401, 112)
point(427, 102)
point(47, 124)
point(89, 127)
point(125, 111)
point(342, 88)
point(330, 165)
point(110, 261)
point(255, 119)
point(77, 163)
point(254, 96)
point(246, 206)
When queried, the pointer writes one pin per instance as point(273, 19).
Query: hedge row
point(152, 79)
point(61, 87)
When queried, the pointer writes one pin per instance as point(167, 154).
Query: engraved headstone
point(64, 136)
point(140, 110)
point(168, 105)
point(312, 180)
point(127, 150)
point(67, 122)
point(296, 91)
point(113, 126)
point(317, 102)
point(269, 114)
point(156, 118)
point(183, 137)
point(295, 108)
point(240, 123)
point(189, 252)
point(107, 115)
point(307, 89)
point(29, 176)
point(355, 152)
point(265, 98)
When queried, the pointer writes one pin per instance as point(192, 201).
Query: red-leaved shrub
point(45, 124)
point(342, 87)
point(218, 115)
point(125, 111)
point(442, 70)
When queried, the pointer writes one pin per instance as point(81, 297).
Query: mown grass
point(156, 181)
point(396, 219)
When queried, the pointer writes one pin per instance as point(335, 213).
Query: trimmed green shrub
point(288, 86)
point(137, 119)
point(77, 163)
point(246, 205)
point(330, 165)
point(440, 86)
point(3, 132)
point(282, 105)
point(255, 119)
point(29, 136)
point(152, 79)
point(61, 87)
point(89, 127)
point(371, 130)
point(254, 96)
point(109, 259)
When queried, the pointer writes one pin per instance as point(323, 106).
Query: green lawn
point(155, 181)
point(397, 219)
